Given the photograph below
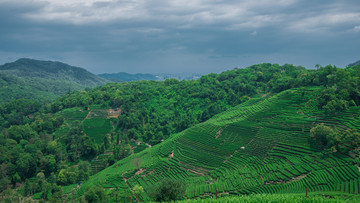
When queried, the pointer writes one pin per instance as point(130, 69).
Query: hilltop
point(44, 80)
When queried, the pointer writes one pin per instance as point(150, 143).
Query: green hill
point(256, 130)
point(44, 80)
point(260, 146)
point(126, 77)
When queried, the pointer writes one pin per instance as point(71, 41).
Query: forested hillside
point(263, 145)
point(261, 125)
point(154, 110)
point(43, 80)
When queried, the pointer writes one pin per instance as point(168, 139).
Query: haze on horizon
point(203, 36)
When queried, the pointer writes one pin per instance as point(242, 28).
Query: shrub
point(168, 190)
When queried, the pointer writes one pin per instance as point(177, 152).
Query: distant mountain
point(126, 77)
point(354, 64)
point(179, 76)
point(44, 80)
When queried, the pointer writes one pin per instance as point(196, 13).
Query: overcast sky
point(174, 36)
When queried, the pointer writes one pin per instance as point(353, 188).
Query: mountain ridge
point(48, 69)
point(30, 78)
point(354, 64)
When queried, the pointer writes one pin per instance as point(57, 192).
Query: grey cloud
point(174, 36)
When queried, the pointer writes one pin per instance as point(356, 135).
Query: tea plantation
point(262, 146)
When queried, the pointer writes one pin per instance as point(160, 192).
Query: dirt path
point(171, 155)
point(218, 133)
point(87, 116)
point(250, 141)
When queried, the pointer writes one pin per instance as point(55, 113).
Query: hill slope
point(260, 146)
point(354, 64)
point(29, 78)
point(126, 77)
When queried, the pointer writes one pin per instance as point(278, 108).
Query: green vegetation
point(153, 110)
point(168, 190)
point(43, 80)
point(260, 146)
point(284, 198)
point(137, 190)
point(266, 129)
point(348, 140)
point(95, 194)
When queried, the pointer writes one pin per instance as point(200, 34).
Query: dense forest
point(153, 110)
point(38, 157)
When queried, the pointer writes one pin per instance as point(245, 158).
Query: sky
point(180, 36)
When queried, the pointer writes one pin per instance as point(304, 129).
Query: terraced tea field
point(283, 198)
point(95, 122)
point(260, 146)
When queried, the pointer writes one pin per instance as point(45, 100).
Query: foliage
point(4, 183)
point(343, 88)
point(74, 174)
point(95, 194)
point(348, 140)
point(323, 133)
point(169, 190)
point(351, 138)
point(137, 190)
